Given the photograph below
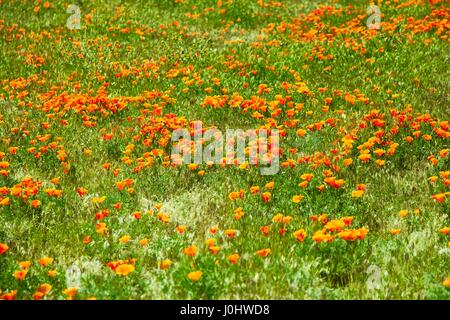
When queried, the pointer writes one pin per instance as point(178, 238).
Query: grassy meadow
point(93, 207)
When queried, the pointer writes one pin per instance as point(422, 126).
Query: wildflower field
point(93, 204)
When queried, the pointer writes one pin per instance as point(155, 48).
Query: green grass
point(168, 61)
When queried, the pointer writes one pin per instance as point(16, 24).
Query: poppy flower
point(321, 236)
point(444, 230)
point(348, 162)
point(266, 196)
point(38, 295)
point(265, 230)
point(286, 219)
point(300, 235)
point(214, 249)
point(165, 264)
point(52, 273)
point(233, 195)
point(347, 220)
point(124, 239)
point(403, 213)
point(297, 198)
point(87, 240)
point(24, 264)
point(9, 295)
point(323, 218)
point(181, 229)
point(82, 191)
point(213, 230)
point(194, 275)
point(394, 231)
point(446, 282)
point(98, 200)
point(254, 189)
point(263, 252)
point(101, 228)
point(3, 248)
point(45, 261)
point(307, 176)
point(278, 218)
point(440, 197)
point(238, 213)
point(163, 217)
point(124, 269)
point(301, 132)
point(20, 275)
point(44, 288)
point(35, 203)
point(70, 292)
point(270, 185)
point(190, 251)
point(233, 258)
point(334, 225)
point(210, 242)
point(357, 193)
point(230, 233)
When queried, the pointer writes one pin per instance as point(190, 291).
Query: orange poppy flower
point(440, 197)
point(297, 198)
point(403, 213)
point(230, 233)
point(70, 292)
point(266, 196)
point(214, 249)
point(254, 189)
point(347, 220)
point(307, 176)
point(348, 162)
point(124, 239)
point(233, 258)
point(124, 269)
point(45, 261)
point(446, 282)
point(52, 273)
point(82, 191)
point(3, 248)
point(35, 203)
point(101, 228)
point(357, 193)
point(38, 295)
point(194, 275)
point(265, 230)
point(238, 213)
point(165, 264)
point(181, 229)
point(263, 252)
point(20, 275)
point(25, 264)
point(9, 295)
point(300, 235)
point(190, 251)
